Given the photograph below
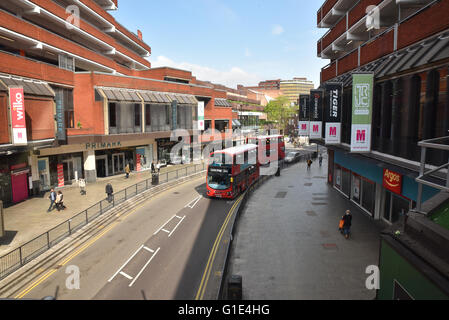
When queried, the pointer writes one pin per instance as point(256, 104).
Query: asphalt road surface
point(158, 250)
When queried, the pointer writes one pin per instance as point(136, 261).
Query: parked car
point(292, 157)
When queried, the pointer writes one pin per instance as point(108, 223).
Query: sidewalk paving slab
point(289, 247)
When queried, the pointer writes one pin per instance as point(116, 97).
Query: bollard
point(235, 288)
point(2, 224)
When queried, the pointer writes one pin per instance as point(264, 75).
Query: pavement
point(287, 245)
point(29, 219)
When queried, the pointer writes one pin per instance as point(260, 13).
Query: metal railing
point(20, 256)
point(440, 144)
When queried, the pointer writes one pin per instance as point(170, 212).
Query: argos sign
point(18, 121)
point(392, 181)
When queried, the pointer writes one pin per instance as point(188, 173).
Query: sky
point(229, 42)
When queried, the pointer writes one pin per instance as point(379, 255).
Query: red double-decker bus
point(273, 144)
point(232, 171)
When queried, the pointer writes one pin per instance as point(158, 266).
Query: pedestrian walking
point(152, 168)
point(158, 166)
point(82, 185)
point(109, 192)
point(127, 171)
point(60, 201)
point(52, 198)
point(309, 164)
point(347, 222)
point(320, 159)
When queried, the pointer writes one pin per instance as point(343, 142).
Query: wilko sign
point(18, 121)
point(362, 105)
point(392, 181)
point(332, 112)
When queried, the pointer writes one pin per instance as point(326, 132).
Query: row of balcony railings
point(427, 177)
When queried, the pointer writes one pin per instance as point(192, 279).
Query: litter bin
point(2, 225)
point(155, 179)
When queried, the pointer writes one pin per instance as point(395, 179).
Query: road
point(159, 250)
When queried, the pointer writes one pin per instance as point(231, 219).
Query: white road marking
point(121, 268)
point(165, 230)
point(138, 275)
point(126, 275)
point(164, 225)
point(193, 203)
point(176, 226)
point(148, 249)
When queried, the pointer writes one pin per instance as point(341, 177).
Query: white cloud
point(228, 78)
point(277, 30)
point(247, 53)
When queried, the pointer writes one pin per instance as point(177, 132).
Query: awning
point(118, 94)
point(425, 52)
point(161, 97)
point(220, 102)
point(30, 87)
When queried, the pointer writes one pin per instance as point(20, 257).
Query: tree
point(280, 111)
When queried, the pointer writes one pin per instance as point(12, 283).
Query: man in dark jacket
point(52, 198)
point(109, 191)
point(347, 218)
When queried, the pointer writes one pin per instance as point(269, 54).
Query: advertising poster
point(332, 112)
point(304, 115)
point(362, 107)
point(316, 114)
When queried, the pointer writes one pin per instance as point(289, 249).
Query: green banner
point(362, 111)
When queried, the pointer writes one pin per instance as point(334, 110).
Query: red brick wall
point(425, 24)
point(23, 67)
point(335, 32)
point(61, 13)
point(40, 118)
point(4, 134)
point(348, 63)
point(328, 73)
point(377, 48)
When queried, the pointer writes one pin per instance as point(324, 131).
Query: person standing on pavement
point(52, 198)
point(347, 222)
point(152, 168)
point(109, 191)
point(320, 159)
point(158, 166)
point(82, 185)
point(127, 171)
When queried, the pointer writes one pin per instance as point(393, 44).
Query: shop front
point(14, 178)
point(381, 192)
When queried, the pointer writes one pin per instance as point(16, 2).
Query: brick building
point(92, 101)
point(405, 46)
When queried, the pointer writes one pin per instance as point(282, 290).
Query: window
point(69, 110)
point(167, 114)
point(356, 188)
point(66, 62)
point(112, 115)
point(221, 125)
point(207, 125)
point(369, 195)
point(137, 115)
point(147, 115)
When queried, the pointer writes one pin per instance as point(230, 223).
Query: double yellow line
point(74, 254)
point(210, 261)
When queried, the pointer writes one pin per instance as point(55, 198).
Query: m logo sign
point(303, 126)
point(333, 131)
point(361, 136)
point(316, 128)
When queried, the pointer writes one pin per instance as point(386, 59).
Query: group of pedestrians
point(56, 201)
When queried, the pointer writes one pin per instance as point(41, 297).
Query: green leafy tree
point(280, 111)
